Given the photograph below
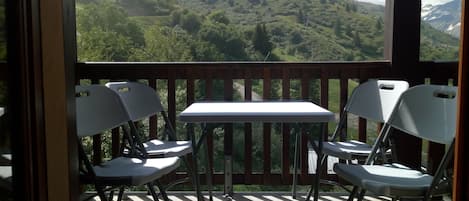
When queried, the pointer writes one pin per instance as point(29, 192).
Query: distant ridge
point(445, 17)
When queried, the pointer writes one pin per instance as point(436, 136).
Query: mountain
point(445, 17)
point(241, 30)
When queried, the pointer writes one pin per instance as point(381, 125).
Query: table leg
point(228, 158)
point(295, 163)
point(318, 162)
point(228, 176)
point(208, 169)
point(194, 161)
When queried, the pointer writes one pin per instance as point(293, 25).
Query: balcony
point(42, 70)
point(212, 79)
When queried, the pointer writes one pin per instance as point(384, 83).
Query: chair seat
point(346, 150)
point(168, 148)
point(134, 171)
point(395, 180)
point(5, 172)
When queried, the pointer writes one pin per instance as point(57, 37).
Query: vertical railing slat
point(285, 130)
point(190, 91)
point(305, 86)
point(209, 96)
point(343, 102)
point(228, 137)
point(153, 121)
point(324, 102)
point(172, 99)
point(362, 125)
point(267, 87)
point(172, 104)
point(248, 132)
point(115, 140)
point(97, 141)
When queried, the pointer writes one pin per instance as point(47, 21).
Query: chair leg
point(111, 194)
point(190, 170)
point(361, 195)
point(194, 162)
point(101, 194)
point(121, 193)
point(152, 191)
point(162, 190)
point(310, 192)
point(323, 161)
point(353, 193)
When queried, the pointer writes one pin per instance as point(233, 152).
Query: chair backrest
point(427, 112)
point(98, 109)
point(375, 99)
point(140, 100)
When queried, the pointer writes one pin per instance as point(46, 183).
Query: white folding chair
point(427, 112)
point(140, 102)
point(373, 100)
point(99, 109)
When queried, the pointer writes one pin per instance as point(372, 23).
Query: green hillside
point(288, 30)
point(437, 45)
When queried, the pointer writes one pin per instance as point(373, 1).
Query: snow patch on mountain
point(444, 17)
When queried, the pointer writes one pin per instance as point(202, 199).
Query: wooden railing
point(230, 73)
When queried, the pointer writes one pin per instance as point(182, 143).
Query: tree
point(348, 30)
point(338, 27)
point(356, 39)
point(261, 40)
point(106, 33)
point(165, 44)
point(218, 16)
point(379, 24)
point(101, 45)
point(225, 38)
point(108, 17)
point(300, 18)
point(176, 16)
point(354, 7)
point(296, 37)
point(191, 22)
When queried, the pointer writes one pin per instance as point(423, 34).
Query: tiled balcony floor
point(245, 196)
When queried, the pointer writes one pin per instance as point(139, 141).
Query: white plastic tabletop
point(262, 111)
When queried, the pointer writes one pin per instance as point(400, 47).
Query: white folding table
point(259, 111)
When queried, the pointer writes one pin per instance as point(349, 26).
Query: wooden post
point(405, 59)
point(461, 162)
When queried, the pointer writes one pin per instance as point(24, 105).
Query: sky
point(424, 2)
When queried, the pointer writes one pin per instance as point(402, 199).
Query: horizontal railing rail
point(203, 78)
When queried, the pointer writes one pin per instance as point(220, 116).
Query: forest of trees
point(244, 30)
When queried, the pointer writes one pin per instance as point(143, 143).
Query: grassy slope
point(318, 30)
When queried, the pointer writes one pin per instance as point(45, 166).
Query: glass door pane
point(439, 30)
